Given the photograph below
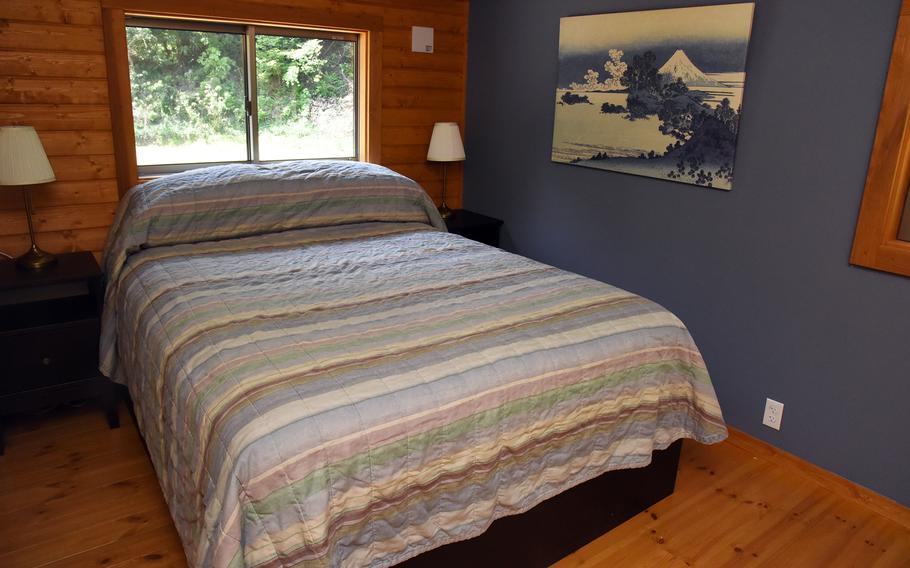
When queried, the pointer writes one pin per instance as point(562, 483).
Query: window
point(205, 93)
point(882, 239)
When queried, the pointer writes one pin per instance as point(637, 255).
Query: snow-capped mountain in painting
point(679, 66)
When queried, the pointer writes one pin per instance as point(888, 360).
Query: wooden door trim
point(875, 243)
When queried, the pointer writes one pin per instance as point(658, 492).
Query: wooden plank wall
point(53, 77)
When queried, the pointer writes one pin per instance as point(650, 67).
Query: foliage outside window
point(211, 93)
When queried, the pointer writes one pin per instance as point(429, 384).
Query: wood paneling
point(77, 494)
point(39, 36)
point(84, 12)
point(51, 64)
point(59, 218)
point(420, 117)
point(422, 79)
point(57, 90)
point(53, 76)
point(74, 168)
point(69, 240)
point(58, 117)
point(63, 193)
point(76, 142)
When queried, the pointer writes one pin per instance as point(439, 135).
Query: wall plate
point(774, 413)
point(421, 39)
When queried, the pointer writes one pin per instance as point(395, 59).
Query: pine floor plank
point(76, 494)
point(152, 544)
point(732, 508)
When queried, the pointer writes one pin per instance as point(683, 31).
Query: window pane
point(188, 95)
point(305, 92)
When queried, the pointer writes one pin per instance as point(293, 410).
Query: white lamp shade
point(445, 144)
point(22, 157)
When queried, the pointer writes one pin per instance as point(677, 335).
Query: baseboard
point(845, 488)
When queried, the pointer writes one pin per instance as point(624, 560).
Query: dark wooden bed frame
point(560, 525)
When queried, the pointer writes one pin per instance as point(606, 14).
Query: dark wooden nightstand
point(49, 328)
point(474, 226)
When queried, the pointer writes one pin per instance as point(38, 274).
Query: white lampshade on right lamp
point(445, 146)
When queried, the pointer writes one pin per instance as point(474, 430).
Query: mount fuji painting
point(656, 93)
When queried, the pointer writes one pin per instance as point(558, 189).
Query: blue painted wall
point(760, 274)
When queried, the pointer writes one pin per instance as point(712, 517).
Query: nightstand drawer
point(50, 355)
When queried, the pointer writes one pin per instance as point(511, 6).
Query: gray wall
point(760, 274)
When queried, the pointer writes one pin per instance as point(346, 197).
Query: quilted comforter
point(356, 392)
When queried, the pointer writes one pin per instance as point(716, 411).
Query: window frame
point(248, 33)
point(368, 53)
point(876, 244)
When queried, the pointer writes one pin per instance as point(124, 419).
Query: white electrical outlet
point(774, 413)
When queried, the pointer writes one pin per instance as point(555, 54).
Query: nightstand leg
point(110, 407)
point(113, 418)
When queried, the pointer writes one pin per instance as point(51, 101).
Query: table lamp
point(24, 163)
point(445, 146)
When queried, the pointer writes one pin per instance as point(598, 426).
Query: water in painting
point(656, 93)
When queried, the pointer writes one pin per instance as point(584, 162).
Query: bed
point(324, 377)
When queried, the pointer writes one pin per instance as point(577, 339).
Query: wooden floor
point(75, 494)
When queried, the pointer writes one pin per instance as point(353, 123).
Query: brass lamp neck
point(444, 210)
point(35, 258)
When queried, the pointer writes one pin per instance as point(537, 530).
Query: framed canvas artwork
point(656, 93)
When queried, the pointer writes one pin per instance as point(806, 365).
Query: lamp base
point(36, 259)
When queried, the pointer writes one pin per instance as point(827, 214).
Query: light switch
point(421, 39)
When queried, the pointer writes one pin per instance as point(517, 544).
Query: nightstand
point(49, 328)
point(475, 226)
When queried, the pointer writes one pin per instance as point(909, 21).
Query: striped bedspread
point(238, 200)
point(357, 393)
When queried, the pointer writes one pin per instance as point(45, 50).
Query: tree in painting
point(615, 67)
point(657, 113)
